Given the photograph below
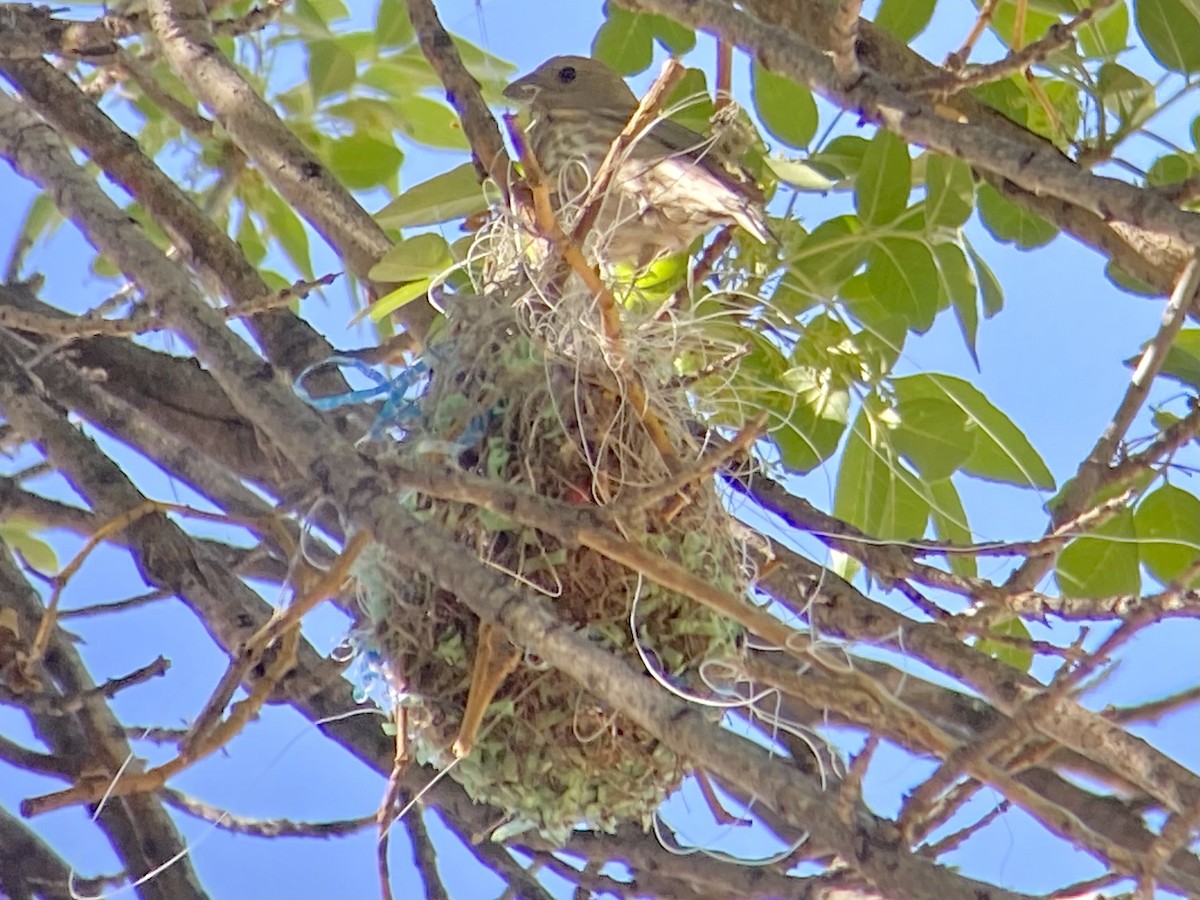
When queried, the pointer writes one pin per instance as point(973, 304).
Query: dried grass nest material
point(505, 405)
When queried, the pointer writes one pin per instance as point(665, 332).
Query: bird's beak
point(523, 90)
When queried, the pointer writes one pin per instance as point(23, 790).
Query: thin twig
point(1059, 35)
point(69, 704)
point(267, 828)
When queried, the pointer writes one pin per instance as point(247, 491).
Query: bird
point(672, 184)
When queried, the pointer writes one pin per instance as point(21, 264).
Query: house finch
point(670, 187)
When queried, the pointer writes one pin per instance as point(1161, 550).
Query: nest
point(520, 391)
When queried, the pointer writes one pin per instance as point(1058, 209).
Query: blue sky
point(1051, 360)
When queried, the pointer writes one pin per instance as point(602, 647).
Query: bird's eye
point(566, 74)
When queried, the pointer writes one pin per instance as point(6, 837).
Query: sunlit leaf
point(1168, 530)
point(1037, 23)
point(1183, 358)
point(826, 257)
point(958, 283)
point(689, 102)
point(1002, 452)
point(808, 421)
point(623, 42)
point(1102, 564)
point(1010, 223)
point(874, 491)
point(420, 256)
point(360, 161)
point(786, 108)
point(288, 229)
point(903, 277)
point(842, 157)
point(249, 240)
point(393, 28)
point(933, 436)
point(949, 519)
point(389, 303)
point(1107, 34)
point(904, 18)
point(430, 122)
point(1171, 30)
point(989, 284)
point(18, 534)
point(1009, 652)
point(883, 184)
point(331, 68)
point(451, 195)
point(798, 174)
point(950, 191)
point(1171, 168)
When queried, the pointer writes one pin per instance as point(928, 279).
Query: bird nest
point(522, 391)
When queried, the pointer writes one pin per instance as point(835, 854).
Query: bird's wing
point(700, 148)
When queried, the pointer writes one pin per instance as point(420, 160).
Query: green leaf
point(1129, 283)
point(362, 162)
point(1015, 655)
point(989, 284)
point(41, 219)
point(287, 228)
point(451, 195)
point(1107, 34)
point(1012, 224)
point(787, 109)
point(483, 65)
point(874, 491)
point(949, 190)
point(903, 277)
point(400, 74)
point(420, 256)
point(676, 38)
point(1183, 358)
point(18, 535)
point(689, 103)
point(1016, 98)
point(1171, 168)
point(430, 122)
point(311, 21)
point(1061, 125)
point(389, 303)
point(393, 28)
point(624, 41)
point(933, 436)
point(1103, 563)
point(366, 114)
point(958, 283)
point(1168, 530)
point(249, 240)
point(798, 174)
point(1004, 19)
point(331, 68)
point(811, 417)
point(1121, 88)
point(1002, 452)
point(885, 180)
point(822, 263)
point(1126, 94)
point(842, 157)
point(949, 520)
point(1171, 30)
point(904, 18)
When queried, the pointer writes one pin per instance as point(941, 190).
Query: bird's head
point(573, 82)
